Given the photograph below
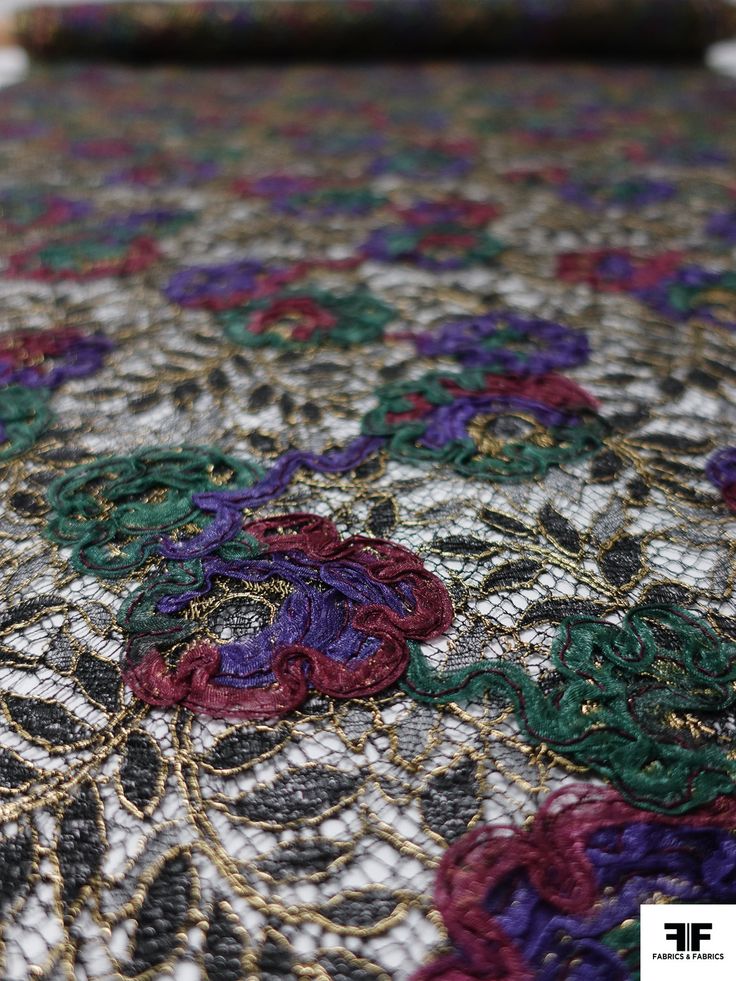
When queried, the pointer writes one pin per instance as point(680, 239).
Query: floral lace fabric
point(368, 486)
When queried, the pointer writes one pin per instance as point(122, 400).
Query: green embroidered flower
point(113, 512)
point(24, 415)
point(300, 318)
point(649, 705)
point(487, 425)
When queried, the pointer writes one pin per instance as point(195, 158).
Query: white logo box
point(688, 942)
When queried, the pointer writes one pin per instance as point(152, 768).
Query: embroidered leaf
point(14, 772)
point(504, 524)
point(466, 546)
point(555, 610)
point(362, 907)
point(512, 574)
point(275, 960)
point(218, 381)
point(223, 947)
point(344, 966)
point(245, 745)
point(46, 722)
point(100, 680)
point(141, 770)
point(621, 560)
point(303, 858)
point(79, 848)
point(382, 518)
point(160, 928)
point(559, 529)
point(449, 801)
point(298, 795)
point(16, 862)
point(605, 466)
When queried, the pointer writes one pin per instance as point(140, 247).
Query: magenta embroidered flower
point(304, 612)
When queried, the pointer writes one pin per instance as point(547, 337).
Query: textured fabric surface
point(368, 488)
point(252, 29)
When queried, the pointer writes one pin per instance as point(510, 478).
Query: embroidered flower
point(485, 425)
point(228, 284)
point(450, 210)
point(443, 246)
point(616, 270)
point(47, 358)
point(694, 293)
point(24, 415)
point(508, 343)
point(721, 472)
point(304, 612)
point(307, 317)
point(723, 225)
point(440, 158)
point(649, 704)
point(631, 192)
point(34, 207)
point(162, 171)
point(114, 251)
point(113, 512)
point(560, 898)
point(310, 197)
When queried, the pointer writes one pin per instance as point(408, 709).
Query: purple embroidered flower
point(435, 247)
point(561, 897)
point(693, 292)
point(450, 211)
point(633, 192)
point(721, 472)
point(32, 207)
point(227, 284)
point(508, 343)
point(304, 611)
point(442, 158)
point(723, 225)
point(166, 172)
point(47, 358)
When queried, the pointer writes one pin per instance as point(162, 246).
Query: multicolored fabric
point(368, 487)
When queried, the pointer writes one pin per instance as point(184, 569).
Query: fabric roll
point(240, 29)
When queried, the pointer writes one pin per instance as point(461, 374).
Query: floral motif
point(447, 245)
point(228, 284)
point(24, 415)
point(692, 292)
point(307, 317)
point(33, 207)
point(162, 171)
point(450, 211)
point(309, 196)
point(723, 225)
point(508, 343)
point(114, 251)
point(721, 471)
point(561, 897)
point(46, 359)
point(632, 192)
point(316, 613)
point(617, 270)
point(113, 512)
point(441, 158)
point(485, 425)
point(648, 704)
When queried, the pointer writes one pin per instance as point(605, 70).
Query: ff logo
point(687, 942)
point(688, 936)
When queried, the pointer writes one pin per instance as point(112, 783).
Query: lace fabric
point(367, 450)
